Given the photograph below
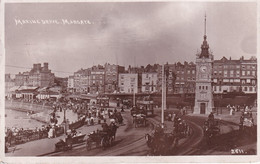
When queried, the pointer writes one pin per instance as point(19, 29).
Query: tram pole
point(162, 95)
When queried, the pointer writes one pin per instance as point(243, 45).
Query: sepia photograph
point(162, 79)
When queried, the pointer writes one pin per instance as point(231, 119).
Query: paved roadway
point(130, 141)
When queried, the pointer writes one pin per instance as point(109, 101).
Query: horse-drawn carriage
point(181, 128)
point(118, 118)
point(247, 122)
point(161, 142)
point(102, 138)
point(139, 120)
point(211, 129)
point(135, 111)
point(69, 141)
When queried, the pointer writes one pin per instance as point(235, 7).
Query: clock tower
point(203, 92)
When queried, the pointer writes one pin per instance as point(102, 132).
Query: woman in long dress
point(50, 133)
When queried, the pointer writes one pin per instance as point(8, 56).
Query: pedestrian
point(231, 111)
point(173, 116)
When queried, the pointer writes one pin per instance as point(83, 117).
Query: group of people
point(237, 108)
point(16, 135)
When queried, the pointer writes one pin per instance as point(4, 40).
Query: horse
point(112, 129)
point(160, 144)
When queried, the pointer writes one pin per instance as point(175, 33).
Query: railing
point(30, 135)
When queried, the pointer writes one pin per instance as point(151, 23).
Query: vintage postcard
point(127, 82)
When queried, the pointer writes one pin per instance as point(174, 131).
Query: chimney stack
point(39, 67)
point(45, 66)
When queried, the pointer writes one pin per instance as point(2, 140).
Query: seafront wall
point(26, 106)
point(41, 112)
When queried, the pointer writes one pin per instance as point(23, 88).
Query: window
point(215, 72)
point(220, 73)
point(253, 82)
point(225, 66)
point(122, 83)
point(247, 80)
point(193, 71)
point(238, 66)
point(188, 72)
point(238, 73)
point(243, 66)
point(225, 73)
point(248, 67)
point(199, 87)
point(132, 79)
point(203, 87)
point(206, 87)
point(250, 89)
point(245, 88)
point(243, 73)
point(248, 72)
point(231, 73)
point(243, 81)
point(253, 73)
point(146, 75)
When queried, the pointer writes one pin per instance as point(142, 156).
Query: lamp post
point(65, 120)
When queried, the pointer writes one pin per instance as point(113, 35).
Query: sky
point(125, 33)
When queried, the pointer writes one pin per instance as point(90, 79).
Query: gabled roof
point(27, 88)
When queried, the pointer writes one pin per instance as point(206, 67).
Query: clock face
point(203, 69)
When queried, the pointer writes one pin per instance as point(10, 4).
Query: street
point(130, 141)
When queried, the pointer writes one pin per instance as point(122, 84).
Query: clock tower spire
point(205, 45)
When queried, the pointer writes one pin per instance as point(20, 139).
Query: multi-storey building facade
point(185, 78)
point(9, 82)
point(76, 83)
point(128, 82)
point(37, 77)
point(71, 83)
point(235, 75)
point(149, 82)
point(138, 71)
point(97, 79)
point(41, 76)
point(169, 70)
point(111, 77)
point(22, 79)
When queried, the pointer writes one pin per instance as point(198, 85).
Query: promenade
point(44, 146)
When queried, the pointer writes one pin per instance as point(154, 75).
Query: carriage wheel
point(104, 143)
point(88, 145)
point(111, 140)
